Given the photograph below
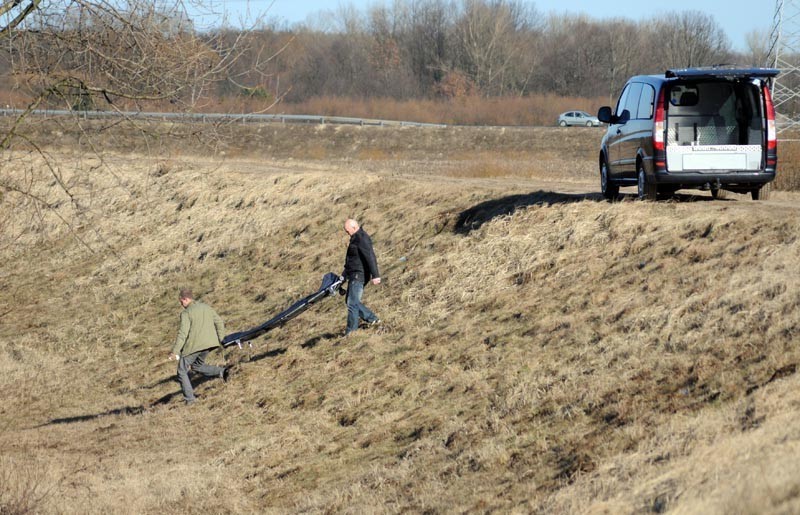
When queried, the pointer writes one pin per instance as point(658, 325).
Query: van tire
point(609, 189)
point(645, 190)
point(762, 193)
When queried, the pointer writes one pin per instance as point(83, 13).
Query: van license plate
point(714, 161)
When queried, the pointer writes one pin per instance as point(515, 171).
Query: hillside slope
point(542, 350)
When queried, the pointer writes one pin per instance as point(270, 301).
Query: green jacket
point(201, 328)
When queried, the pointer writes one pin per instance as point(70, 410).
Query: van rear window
point(713, 113)
point(683, 96)
point(705, 98)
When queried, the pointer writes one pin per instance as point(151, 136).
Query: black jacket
point(360, 263)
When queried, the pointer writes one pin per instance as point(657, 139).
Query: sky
point(736, 17)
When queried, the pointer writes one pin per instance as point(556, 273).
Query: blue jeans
point(355, 309)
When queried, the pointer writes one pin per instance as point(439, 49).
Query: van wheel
point(609, 189)
point(645, 190)
point(761, 193)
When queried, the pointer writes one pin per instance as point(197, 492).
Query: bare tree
point(577, 55)
point(488, 38)
point(350, 53)
point(624, 58)
point(757, 47)
point(79, 55)
point(689, 38)
point(258, 77)
point(7, 7)
point(390, 61)
point(425, 37)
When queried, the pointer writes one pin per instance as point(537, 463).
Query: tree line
point(409, 49)
point(491, 48)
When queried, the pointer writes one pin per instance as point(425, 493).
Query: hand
point(174, 357)
point(376, 280)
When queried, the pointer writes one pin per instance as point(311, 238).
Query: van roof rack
point(721, 71)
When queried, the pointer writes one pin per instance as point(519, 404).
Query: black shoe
point(226, 373)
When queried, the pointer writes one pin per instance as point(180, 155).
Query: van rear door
point(716, 120)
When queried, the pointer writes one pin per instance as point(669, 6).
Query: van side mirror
point(605, 115)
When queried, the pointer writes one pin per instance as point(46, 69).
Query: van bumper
point(715, 177)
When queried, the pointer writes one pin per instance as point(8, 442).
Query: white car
point(581, 118)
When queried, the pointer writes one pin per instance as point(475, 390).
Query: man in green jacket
point(200, 332)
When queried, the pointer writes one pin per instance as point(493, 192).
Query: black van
point(701, 128)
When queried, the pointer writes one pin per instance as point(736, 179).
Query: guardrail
point(210, 117)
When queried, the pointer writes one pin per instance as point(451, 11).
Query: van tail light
point(772, 133)
point(771, 157)
point(659, 131)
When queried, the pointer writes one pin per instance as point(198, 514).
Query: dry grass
point(789, 165)
point(534, 110)
point(24, 486)
point(542, 350)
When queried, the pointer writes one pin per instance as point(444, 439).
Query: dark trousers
point(197, 363)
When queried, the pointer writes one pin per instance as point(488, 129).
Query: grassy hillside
point(542, 350)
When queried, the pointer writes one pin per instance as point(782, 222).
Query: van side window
point(621, 102)
point(646, 102)
point(632, 101)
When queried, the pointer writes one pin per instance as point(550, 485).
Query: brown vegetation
point(535, 110)
point(421, 50)
point(789, 168)
point(542, 350)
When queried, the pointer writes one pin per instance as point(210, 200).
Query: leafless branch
point(8, 6)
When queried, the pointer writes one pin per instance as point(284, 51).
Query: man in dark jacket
point(201, 330)
point(360, 266)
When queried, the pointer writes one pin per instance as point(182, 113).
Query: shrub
point(23, 488)
point(788, 176)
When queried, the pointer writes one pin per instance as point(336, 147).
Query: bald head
point(351, 226)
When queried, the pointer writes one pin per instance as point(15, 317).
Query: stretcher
point(331, 284)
